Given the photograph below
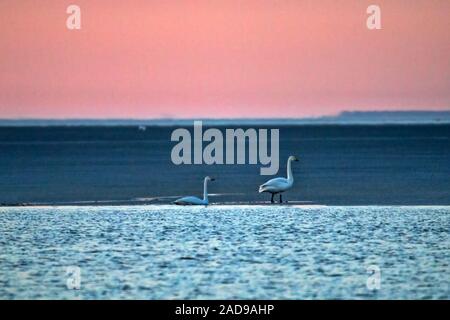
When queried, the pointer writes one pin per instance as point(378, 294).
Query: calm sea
point(339, 165)
point(225, 252)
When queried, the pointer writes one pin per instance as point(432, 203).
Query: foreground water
point(225, 252)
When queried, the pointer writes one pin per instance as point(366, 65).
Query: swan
point(186, 201)
point(279, 185)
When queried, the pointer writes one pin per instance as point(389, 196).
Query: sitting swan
point(186, 201)
point(279, 185)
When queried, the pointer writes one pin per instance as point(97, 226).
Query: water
point(343, 165)
point(225, 252)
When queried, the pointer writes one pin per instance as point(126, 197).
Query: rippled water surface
point(245, 252)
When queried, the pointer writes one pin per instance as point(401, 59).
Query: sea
point(86, 213)
point(356, 164)
point(225, 252)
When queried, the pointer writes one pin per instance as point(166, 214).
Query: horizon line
point(175, 118)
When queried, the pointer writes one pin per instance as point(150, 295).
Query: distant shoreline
point(344, 118)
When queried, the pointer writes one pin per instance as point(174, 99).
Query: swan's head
point(293, 158)
point(208, 178)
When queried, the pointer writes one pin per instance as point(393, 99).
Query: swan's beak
point(296, 159)
point(213, 179)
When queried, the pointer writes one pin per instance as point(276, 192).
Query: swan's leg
point(271, 199)
point(281, 199)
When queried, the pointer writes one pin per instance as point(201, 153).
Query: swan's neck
point(290, 177)
point(205, 190)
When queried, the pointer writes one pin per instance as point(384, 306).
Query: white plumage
point(279, 185)
point(186, 201)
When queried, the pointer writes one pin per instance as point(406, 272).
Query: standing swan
point(186, 201)
point(279, 185)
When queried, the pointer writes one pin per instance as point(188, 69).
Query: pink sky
point(253, 58)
